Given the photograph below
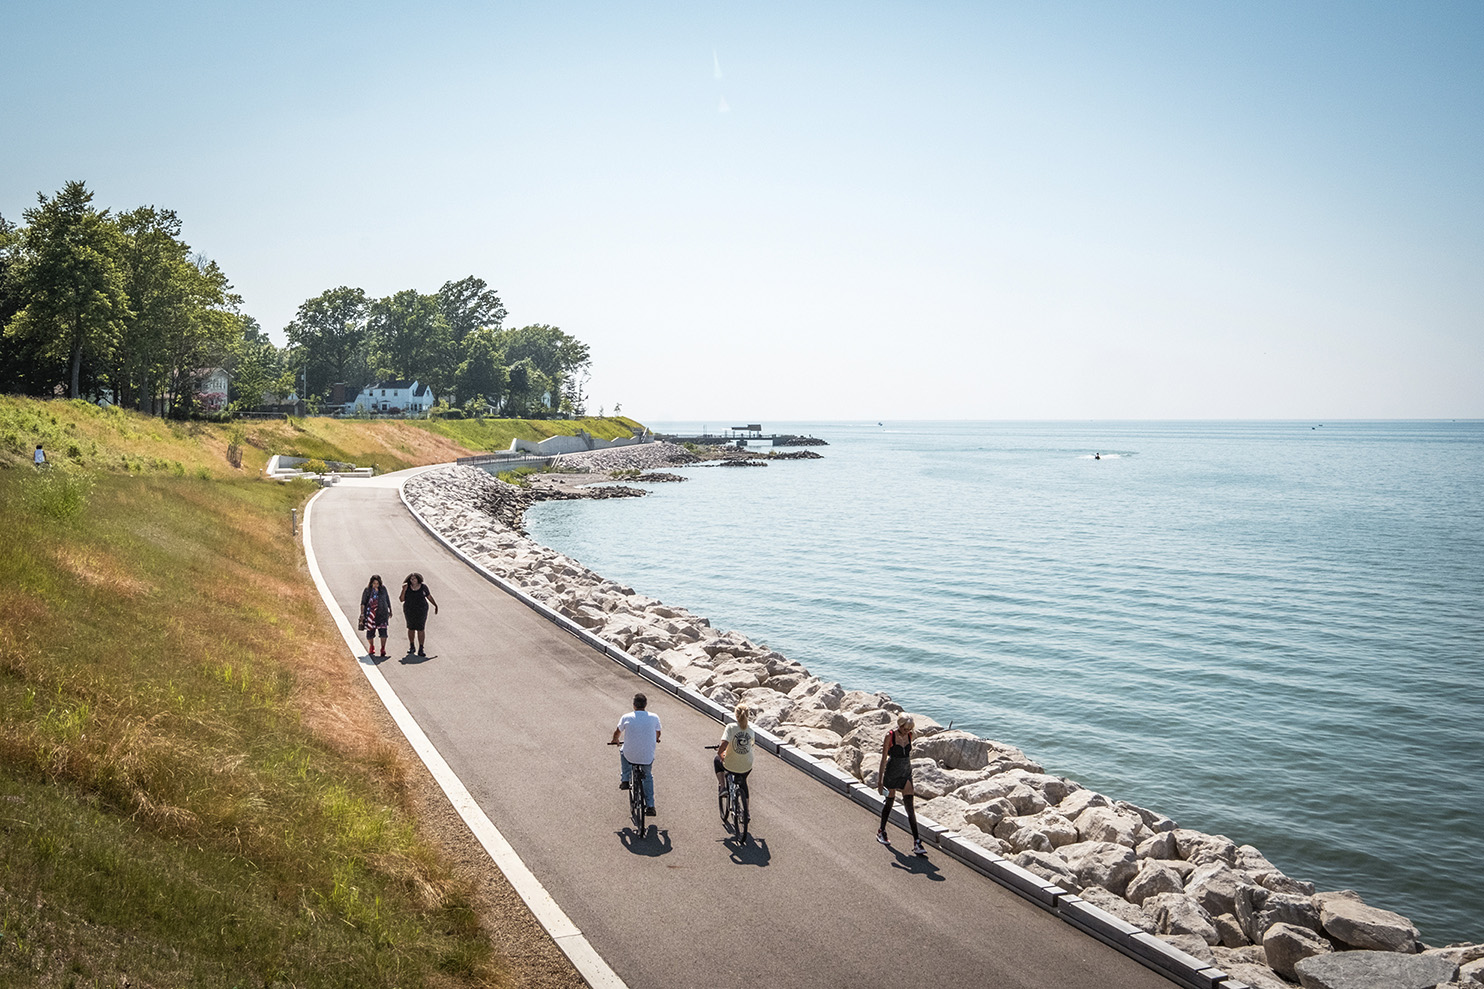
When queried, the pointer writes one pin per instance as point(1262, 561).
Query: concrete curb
point(589, 964)
point(1174, 964)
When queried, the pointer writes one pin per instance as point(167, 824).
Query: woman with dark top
point(415, 598)
point(895, 775)
point(376, 612)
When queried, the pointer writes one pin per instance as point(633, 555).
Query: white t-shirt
point(739, 748)
point(40, 457)
point(640, 730)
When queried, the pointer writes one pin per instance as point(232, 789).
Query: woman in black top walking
point(895, 775)
point(376, 612)
point(415, 598)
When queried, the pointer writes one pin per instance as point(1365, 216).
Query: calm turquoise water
point(1273, 631)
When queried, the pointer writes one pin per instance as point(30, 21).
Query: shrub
point(315, 466)
point(59, 495)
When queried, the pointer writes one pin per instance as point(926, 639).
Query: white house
point(213, 388)
point(394, 396)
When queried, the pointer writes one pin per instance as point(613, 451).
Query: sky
point(824, 211)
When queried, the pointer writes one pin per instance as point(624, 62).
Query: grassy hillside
point(79, 434)
point(191, 792)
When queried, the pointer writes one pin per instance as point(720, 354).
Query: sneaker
point(881, 837)
point(649, 812)
point(917, 848)
point(624, 785)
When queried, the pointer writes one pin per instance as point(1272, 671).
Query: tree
point(327, 340)
point(69, 277)
point(555, 355)
point(182, 313)
point(23, 368)
point(482, 372)
point(408, 339)
point(257, 367)
point(468, 305)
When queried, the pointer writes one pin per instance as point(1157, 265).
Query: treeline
point(95, 303)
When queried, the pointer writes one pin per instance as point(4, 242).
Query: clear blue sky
point(826, 210)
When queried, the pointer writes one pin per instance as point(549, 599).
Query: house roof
point(401, 385)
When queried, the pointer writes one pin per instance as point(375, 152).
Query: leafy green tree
point(23, 368)
point(409, 339)
point(327, 341)
point(468, 305)
point(556, 356)
point(257, 367)
point(527, 391)
point(182, 313)
point(68, 275)
point(482, 371)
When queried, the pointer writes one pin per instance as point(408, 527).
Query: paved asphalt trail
point(521, 711)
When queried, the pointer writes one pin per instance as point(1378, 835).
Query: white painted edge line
point(589, 964)
point(1158, 956)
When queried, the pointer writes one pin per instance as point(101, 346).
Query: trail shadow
point(375, 659)
point(640, 842)
point(412, 659)
point(753, 851)
point(918, 865)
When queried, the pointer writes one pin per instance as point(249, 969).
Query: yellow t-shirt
point(739, 748)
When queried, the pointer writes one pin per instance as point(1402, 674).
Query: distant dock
point(743, 435)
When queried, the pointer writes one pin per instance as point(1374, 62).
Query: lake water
point(1272, 630)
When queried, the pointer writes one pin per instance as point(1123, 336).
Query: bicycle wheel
point(723, 802)
point(736, 811)
point(745, 817)
point(636, 799)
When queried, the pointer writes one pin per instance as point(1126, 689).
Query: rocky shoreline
point(1208, 896)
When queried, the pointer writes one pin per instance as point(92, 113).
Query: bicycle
point(733, 803)
point(637, 773)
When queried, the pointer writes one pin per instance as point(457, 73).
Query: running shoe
point(649, 812)
point(881, 837)
point(421, 653)
point(917, 848)
point(624, 785)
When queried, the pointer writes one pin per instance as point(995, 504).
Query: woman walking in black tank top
point(895, 777)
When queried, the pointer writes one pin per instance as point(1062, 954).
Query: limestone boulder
point(1351, 922)
point(815, 741)
point(1374, 970)
point(930, 781)
point(878, 721)
point(1459, 954)
point(1116, 905)
point(1107, 824)
point(984, 840)
point(1215, 886)
point(721, 695)
point(1229, 929)
point(954, 749)
point(823, 693)
point(1155, 822)
point(769, 707)
point(1285, 945)
point(1472, 972)
point(1199, 847)
point(1042, 832)
point(1073, 804)
point(1013, 786)
point(784, 682)
point(1160, 846)
point(948, 811)
point(858, 702)
point(1257, 909)
point(1101, 863)
point(1176, 913)
point(1051, 867)
point(739, 675)
point(987, 816)
point(818, 717)
point(848, 758)
point(1192, 945)
point(1256, 976)
point(1153, 878)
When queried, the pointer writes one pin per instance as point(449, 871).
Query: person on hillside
point(895, 777)
point(39, 459)
point(637, 734)
point(415, 598)
point(734, 754)
point(376, 613)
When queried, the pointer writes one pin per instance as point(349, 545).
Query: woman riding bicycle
point(734, 754)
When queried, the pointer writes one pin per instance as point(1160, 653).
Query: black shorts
point(416, 623)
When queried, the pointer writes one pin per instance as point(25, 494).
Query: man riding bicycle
point(639, 732)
